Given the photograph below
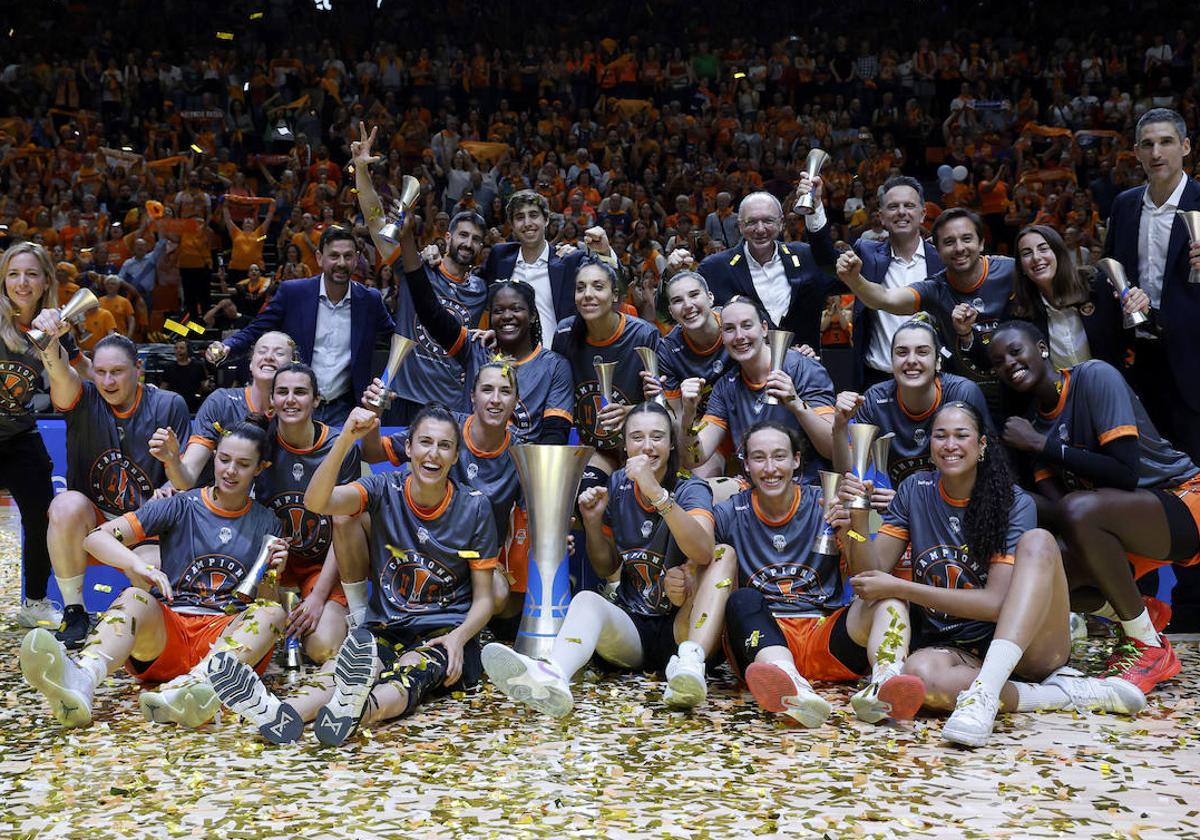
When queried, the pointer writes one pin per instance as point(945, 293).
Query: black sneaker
point(76, 623)
point(354, 675)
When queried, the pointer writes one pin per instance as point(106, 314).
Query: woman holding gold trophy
point(30, 286)
point(177, 616)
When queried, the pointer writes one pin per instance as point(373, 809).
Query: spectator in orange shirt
point(96, 325)
point(119, 307)
point(247, 241)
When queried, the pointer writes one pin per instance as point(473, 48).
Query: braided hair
point(985, 523)
point(526, 293)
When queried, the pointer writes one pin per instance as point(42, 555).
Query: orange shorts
point(514, 557)
point(189, 638)
point(304, 577)
point(808, 640)
point(1189, 494)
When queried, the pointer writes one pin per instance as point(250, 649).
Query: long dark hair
point(1069, 287)
point(985, 523)
point(672, 475)
point(578, 335)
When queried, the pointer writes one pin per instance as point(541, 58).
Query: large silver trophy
point(1191, 220)
point(400, 349)
point(80, 304)
point(1118, 280)
point(410, 190)
point(650, 364)
point(807, 204)
point(826, 541)
point(862, 438)
point(549, 478)
point(247, 590)
point(778, 341)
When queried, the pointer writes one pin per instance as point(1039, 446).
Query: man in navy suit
point(902, 259)
point(1146, 237)
point(533, 260)
point(334, 322)
point(784, 278)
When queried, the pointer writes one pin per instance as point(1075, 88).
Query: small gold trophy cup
point(1118, 280)
point(826, 541)
point(807, 204)
point(400, 349)
point(650, 364)
point(604, 374)
point(80, 304)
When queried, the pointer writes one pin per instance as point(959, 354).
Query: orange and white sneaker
point(778, 687)
point(1160, 612)
point(1143, 665)
point(893, 694)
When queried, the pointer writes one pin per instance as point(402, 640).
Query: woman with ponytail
point(988, 596)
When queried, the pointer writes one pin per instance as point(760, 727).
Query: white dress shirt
point(537, 275)
point(331, 345)
point(900, 273)
point(1154, 236)
point(1068, 339)
point(770, 278)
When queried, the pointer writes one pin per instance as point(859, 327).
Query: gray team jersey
point(776, 557)
point(221, 410)
point(925, 516)
point(735, 405)
point(883, 407)
point(1097, 406)
point(627, 381)
point(679, 359)
point(280, 487)
point(428, 374)
point(206, 552)
point(21, 376)
point(421, 560)
point(108, 453)
point(544, 385)
point(642, 538)
point(492, 473)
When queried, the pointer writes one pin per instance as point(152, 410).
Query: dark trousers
point(197, 294)
point(25, 469)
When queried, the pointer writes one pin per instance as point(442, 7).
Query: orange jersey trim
point(774, 523)
point(612, 338)
point(950, 500)
point(716, 421)
point(139, 534)
point(137, 400)
point(1062, 398)
point(894, 531)
point(483, 453)
point(1118, 432)
point(558, 412)
point(428, 513)
point(390, 451)
point(206, 497)
point(924, 415)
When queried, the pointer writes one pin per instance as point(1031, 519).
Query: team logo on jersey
point(978, 304)
point(647, 527)
point(17, 379)
point(422, 535)
point(118, 484)
point(919, 436)
point(297, 472)
point(309, 535)
point(946, 567)
point(211, 577)
point(954, 524)
point(414, 582)
point(905, 467)
point(428, 344)
point(1063, 434)
point(779, 541)
point(588, 403)
point(789, 582)
point(642, 572)
point(225, 535)
point(472, 471)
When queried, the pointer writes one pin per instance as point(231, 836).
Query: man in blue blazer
point(902, 259)
point(334, 322)
point(785, 278)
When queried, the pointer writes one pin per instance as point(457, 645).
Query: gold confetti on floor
point(621, 766)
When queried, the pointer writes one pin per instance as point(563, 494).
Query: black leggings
point(747, 613)
point(25, 469)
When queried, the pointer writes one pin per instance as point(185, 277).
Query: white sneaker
point(1079, 627)
point(973, 717)
point(1095, 694)
point(186, 700)
point(686, 685)
point(778, 687)
point(529, 681)
point(41, 612)
point(68, 687)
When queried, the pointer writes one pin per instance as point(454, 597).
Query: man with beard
point(428, 374)
point(334, 323)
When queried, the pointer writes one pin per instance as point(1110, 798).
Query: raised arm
point(368, 199)
point(65, 382)
point(899, 301)
point(323, 494)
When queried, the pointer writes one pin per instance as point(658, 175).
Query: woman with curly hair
point(988, 596)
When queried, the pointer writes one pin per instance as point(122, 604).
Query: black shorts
point(424, 680)
point(925, 636)
point(657, 634)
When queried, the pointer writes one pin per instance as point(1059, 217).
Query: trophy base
point(826, 544)
point(1134, 320)
point(1194, 277)
point(378, 403)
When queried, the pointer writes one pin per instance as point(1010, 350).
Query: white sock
point(1107, 611)
point(1002, 656)
point(691, 649)
point(1038, 697)
point(93, 663)
point(1142, 629)
point(883, 671)
point(71, 589)
point(356, 599)
point(789, 668)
